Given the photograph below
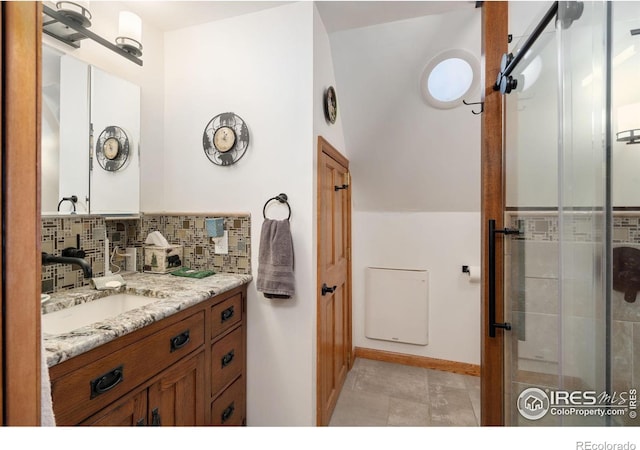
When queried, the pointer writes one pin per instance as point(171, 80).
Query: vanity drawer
point(101, 381)
point(226, 314)
point(227, 360)
point(229, 409)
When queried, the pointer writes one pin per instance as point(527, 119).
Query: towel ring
point(282, 198)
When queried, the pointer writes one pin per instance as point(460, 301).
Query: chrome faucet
point(52, 259)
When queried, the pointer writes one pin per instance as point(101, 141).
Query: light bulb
point(130, 26)
point(130, 33)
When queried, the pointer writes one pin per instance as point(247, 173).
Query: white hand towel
point(47, 418)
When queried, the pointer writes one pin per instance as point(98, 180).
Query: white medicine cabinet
point(90, 139)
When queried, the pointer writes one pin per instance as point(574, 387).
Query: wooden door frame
point(21, 261)
point(494, 45)
point(332, 152)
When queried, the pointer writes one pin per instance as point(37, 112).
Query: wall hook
point(476, 103)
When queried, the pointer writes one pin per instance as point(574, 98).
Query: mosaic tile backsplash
point(61, 233)
point(189, 231)
point(186, 230)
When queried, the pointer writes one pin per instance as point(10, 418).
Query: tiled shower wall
point(187, 230)
point(536, 303)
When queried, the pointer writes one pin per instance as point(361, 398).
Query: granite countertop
point(175, 294)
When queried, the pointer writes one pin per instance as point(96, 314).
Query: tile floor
point(380, 394)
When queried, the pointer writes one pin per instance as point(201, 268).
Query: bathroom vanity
point(178, 360)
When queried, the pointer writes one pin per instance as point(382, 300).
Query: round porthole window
point(448, 78)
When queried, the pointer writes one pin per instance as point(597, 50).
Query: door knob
point(326, 289)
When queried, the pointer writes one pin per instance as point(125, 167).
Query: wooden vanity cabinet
point(177, 371)
point(130, 411)
point(175, 399)
point(228, 362)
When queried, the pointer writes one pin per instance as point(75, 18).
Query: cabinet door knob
point(226, 359)
point(156, 421)
point(226, 314)
point(228, 412)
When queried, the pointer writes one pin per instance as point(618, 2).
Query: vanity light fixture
point(627, 122)
point(629, 136)
point(70, 22)
point(130, 33)
point(77, 11)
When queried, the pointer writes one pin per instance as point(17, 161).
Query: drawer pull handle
point(226, 359)
point(228, 412)
point(107, 381)
point(155, 418)
point(179, 341)
point(226, 314)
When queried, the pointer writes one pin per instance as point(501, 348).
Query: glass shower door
point(624, 311)
point(555, 159)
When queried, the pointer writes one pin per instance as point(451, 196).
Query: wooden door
point(334, 278)
point(131, 411)
point(178, 397)
point(20, 213)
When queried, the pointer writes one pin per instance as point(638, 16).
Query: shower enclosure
point(571, 238)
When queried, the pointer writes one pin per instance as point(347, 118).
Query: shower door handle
point(492, 277)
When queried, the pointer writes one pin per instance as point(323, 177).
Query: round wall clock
point(330, 104)
point(112, 148)
point(225, 139)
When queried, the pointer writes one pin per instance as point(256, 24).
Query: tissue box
point(162, 259)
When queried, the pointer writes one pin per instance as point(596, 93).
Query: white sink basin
point(78, 316)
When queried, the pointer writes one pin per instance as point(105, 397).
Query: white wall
point(150, 78)
point(258, 66)
point(441, 243)
point(407, 155)
point(416, 174)
point(323, 77)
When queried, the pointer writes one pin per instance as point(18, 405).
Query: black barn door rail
point(567, 13)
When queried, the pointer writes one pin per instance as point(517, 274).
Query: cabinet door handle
point(226, 359)
point(179, 341)
point(228, 412)
point(156, 421)
point(107, 381)
point(226, 314)
point(140, 422)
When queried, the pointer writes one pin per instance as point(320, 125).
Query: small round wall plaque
point(330, 104)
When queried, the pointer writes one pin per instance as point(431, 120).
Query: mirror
point(50, 141)
point(90, 139)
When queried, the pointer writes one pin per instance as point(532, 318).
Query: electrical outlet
point(222, 244)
